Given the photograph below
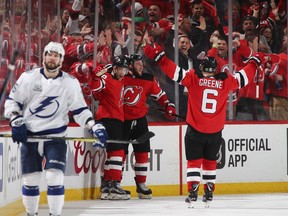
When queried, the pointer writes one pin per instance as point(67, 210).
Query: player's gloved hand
point(258, 59)
point(19, 130)
point(170, 111)
point(101, 134)
point(154, 52)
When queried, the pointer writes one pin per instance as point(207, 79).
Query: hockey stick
point(11, 68)
point(139, 140)
point(162, 110)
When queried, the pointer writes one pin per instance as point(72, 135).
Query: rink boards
point(253, 159)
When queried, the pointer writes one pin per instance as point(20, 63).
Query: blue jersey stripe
point(50, 131)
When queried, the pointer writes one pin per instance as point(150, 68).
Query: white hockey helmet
point(54, 47)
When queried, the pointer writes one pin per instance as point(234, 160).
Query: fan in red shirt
point(252, 100)
point(107, 87)
point(207, 95)
point(138, 87)
point(82, 71)
point(220, 52)
point(277, 89)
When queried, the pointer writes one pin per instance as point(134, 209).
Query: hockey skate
point(143, 191)
point(116, 192)
point(208, 194)
point(32, 214)
point(105, 187)
point(193, 195)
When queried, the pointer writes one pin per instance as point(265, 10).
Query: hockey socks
point(55, 196)
point(31, 196)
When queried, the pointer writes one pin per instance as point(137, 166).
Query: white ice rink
point(222, 205)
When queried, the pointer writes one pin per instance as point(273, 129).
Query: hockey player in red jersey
point(107, 87)
point(207, 95)
point(138, 87)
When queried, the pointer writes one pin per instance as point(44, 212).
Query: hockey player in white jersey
point(38, 104)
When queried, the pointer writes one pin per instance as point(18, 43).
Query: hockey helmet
point(208, 64)
point(54, 47)
point(120, 62)
point(135, 57)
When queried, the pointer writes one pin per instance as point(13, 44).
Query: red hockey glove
point(170, 111)
point(99, 71)
point(155, 52)
point(258, 59)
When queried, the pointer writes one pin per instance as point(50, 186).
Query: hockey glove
point(170, 111)
point(154, 52)
point(19, 130)
point(101, 134)
point(258, 59)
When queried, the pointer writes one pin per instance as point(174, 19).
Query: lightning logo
point(45, 105)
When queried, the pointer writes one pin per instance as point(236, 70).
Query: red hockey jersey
point(109, 92)
point(137, 89)
point(207, 97)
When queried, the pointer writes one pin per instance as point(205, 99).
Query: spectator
point(251, 103)
point(198, 10)
point(159, 26)
point(219, 51)
point(236, 17)
point(277, 88)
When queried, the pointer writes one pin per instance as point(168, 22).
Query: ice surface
point(222, 205)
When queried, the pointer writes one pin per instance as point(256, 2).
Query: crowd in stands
point(202, 28)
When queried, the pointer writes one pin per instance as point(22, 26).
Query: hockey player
point(107, 87)
point(207, 94)
point(38, 105)
point(138, 87)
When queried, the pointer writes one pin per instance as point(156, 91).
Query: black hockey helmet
point(120, 62)
point(208, 64)
point(135, 57)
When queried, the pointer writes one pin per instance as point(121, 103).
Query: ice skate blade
point(143, 196)
point(207, 204)
point(191, 204)
point(114, 196)
point(104, 196)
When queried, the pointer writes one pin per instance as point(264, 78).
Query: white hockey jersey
point(45, 103)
